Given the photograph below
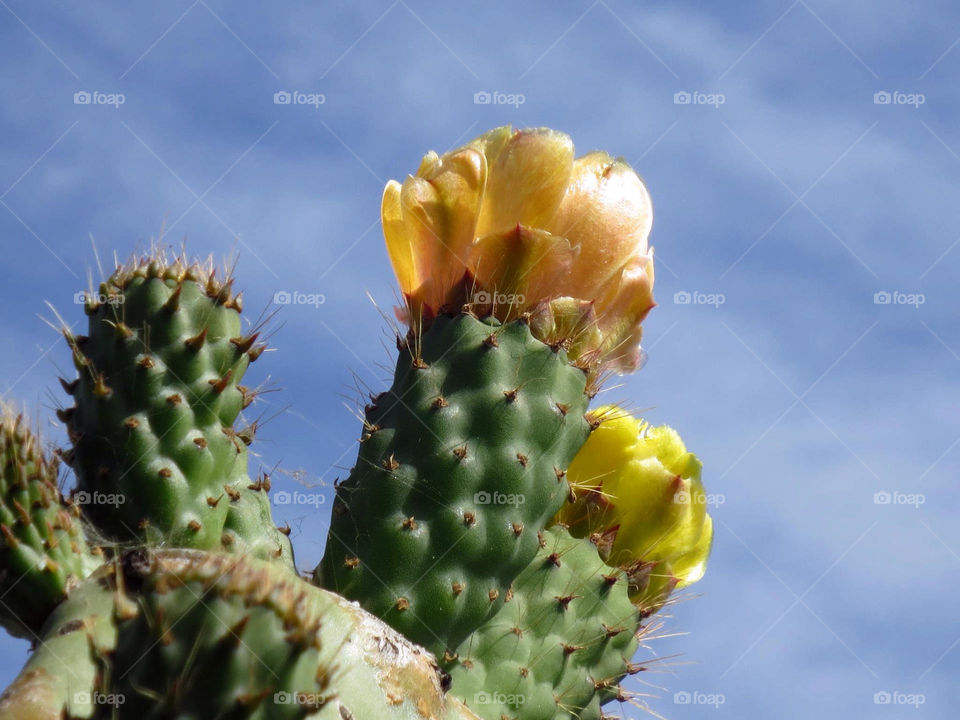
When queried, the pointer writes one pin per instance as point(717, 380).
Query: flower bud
point(637, 494)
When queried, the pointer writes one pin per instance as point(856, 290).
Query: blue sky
point(786, 188)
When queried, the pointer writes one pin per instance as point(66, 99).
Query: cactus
point(511, 328)
point(158, 390)
point(193, 634)
point(462, 462)
point(43, 551)
point(211, 634)
point(63, 671)
point(561, 645)
point(493, 553)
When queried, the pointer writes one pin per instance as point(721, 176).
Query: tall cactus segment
point(561, 645)
point(43, 551)
point(525, 275)
point(158, 390)
point(462, 461)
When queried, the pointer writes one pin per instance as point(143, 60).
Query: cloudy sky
point(804, 169)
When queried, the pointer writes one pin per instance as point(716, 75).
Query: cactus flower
point(637, 494)
point(511, 224)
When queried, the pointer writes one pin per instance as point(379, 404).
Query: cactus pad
point(559, 647)
point(154, 448)
point(43, 550)
point(460, 464)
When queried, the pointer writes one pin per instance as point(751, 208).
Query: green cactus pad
point(559, 648)
point(186, 634)
point(155, 452)
point(460, 464)
point(43, 550)
point(213, 635)
point(58, 680)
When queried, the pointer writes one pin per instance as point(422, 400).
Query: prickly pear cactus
point(159, 386)
point(562, 644)
point(43, 551)
point(461, 463)
point(208, 635)
point(495, 551)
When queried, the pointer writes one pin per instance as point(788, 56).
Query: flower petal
point(521, 262)
point(621, 310)
point(527, 179)
point(607, 212)
point(692, 566)
point(399, 247)
point(458, 179)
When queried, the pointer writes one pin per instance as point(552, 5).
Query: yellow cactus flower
point(512, 224)
point(637, 494)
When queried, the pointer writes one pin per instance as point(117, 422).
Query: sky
point(803, 162)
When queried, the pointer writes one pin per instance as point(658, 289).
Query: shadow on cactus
point(497, 550)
